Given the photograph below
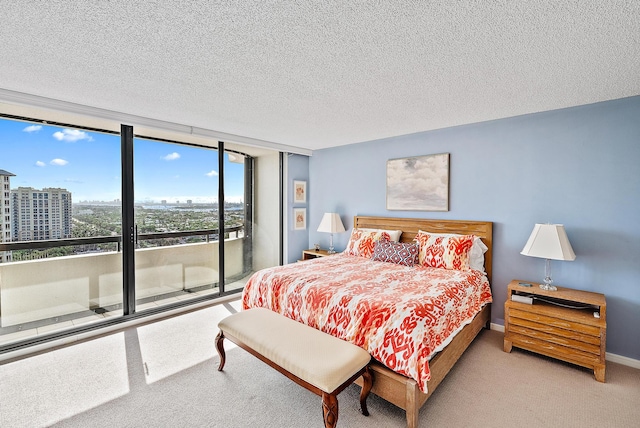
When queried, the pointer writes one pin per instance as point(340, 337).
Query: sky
point(87, 164)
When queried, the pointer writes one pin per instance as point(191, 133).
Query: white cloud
point(40, 163)
point(71, 135)
point(58, 162)
point(32, 128)
point(211, 173)
point(172, 156)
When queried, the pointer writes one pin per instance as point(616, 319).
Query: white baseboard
point(614, 358)
point(625, 361)
point(497, 327)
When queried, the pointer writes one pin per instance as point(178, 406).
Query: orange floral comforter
point(401, 315)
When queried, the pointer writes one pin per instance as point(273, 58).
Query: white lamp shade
point(549, 241)
point(331, 223)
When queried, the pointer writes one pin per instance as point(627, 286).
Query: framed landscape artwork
point(419, 183)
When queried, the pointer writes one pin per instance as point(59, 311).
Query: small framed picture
point(299, 192)
point(299, 218)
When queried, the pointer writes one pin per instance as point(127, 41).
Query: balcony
point(52, 294)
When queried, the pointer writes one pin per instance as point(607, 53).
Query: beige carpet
point(164, 375)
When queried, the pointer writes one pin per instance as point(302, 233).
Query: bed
point(377, 306)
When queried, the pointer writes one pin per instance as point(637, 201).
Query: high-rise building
point(5, 212)
point(40, 214)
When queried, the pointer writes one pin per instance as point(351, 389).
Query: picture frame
point(299, 192)
point(418, 183)
point(299, 218)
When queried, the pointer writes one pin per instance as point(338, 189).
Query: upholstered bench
point(319, 362)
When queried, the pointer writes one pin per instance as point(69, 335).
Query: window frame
point(127, 135)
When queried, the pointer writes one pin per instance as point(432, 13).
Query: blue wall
point(578, 166)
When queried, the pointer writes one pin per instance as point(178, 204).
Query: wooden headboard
point(410, 227)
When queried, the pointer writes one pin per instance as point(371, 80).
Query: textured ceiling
point(315, 74)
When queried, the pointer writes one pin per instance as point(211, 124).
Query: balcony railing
point(48, 289)
point(66, 242)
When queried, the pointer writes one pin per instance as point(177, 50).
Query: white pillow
point(476, 254)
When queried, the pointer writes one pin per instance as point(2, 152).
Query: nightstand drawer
point(550, 329)
point(554, 350)
point(558, 340)
point(559, 324)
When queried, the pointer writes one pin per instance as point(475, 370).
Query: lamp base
point(548, 287)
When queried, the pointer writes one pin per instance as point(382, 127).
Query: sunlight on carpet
point(55, 385)
point(175, 344)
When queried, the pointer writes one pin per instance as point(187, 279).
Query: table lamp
point(331, 224)
point(550, 242)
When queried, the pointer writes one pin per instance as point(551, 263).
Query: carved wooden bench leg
point(220, 348)
point(367, 383)
point(260, 328)
point(329, 409)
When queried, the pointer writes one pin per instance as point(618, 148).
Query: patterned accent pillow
point(362, 242)
point(405, 254)
point(446, 252)
point(394, 235)
point(476, 256)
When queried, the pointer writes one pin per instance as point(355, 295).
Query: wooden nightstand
point(559, 324)
point(312, 254)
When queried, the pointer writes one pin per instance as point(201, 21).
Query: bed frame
point(401, 390)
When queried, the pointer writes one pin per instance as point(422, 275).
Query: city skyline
point(87, 164)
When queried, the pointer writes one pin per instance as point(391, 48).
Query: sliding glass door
point(238, 214)
point(60, 259)
point(176, 221)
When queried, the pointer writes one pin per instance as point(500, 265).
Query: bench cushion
point(322, 360)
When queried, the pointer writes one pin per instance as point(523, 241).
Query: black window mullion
point(221, 216)
point(128, 223)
